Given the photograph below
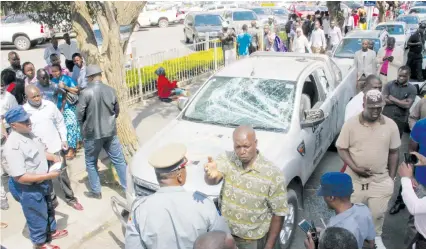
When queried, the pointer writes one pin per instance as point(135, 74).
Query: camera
point(410, 159)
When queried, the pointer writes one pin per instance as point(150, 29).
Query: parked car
point(344, 53)
point(21, 31)
point(419, 11)
point(280, 15)
point(198, 24)
point(412, 22)
point(238, 17)
point(161, 17)
point(296, 110)
point(398, 30)
point(301, 10)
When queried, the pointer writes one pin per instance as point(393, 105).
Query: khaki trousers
point(253, 244)
point(376, 196)
point(317, 50)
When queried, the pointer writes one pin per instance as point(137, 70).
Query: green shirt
point(249, 197)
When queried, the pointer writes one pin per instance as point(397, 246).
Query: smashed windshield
point(263, 103)
point(349, 46)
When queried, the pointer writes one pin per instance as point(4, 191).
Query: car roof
point(418, 7)
point(238, 9)
point(404, 15)
point(210, 13)
point(391, 23)
point(270, 65)
point(369, 34)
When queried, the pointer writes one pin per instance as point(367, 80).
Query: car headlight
point(144, 188)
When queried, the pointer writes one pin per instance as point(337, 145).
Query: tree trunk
point(381, 5)
point(111, 58)
point(336, 13)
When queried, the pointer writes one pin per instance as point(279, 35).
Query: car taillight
point(41, 29)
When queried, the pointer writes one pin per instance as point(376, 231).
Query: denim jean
point(112, 146)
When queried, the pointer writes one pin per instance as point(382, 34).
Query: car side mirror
point(313, 117)
point(182, 102)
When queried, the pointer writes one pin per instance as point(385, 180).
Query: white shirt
point(48, 125)
point(416, 206)
point(318, 39)
point(335, 35)
point(50, 50)
point(300, 43)
point(69, 50)
point(354, 107)
point(326, 26)
point(351, 22)
point(7, 101)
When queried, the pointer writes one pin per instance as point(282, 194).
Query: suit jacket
point(365, 65)
point(398, 61)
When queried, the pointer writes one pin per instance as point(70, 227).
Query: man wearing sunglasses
point(30, 180)
point(172, 217)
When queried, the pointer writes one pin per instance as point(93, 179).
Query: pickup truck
point(160, 17)
point(296, 110)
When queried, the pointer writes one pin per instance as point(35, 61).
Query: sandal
point(47, 246)
point(59, 234)
point(3, 225)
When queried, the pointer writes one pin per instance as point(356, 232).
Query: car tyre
point(136, 28)
point(34, 43)
point(22, 43)
point(290, 221)
point(186, 37)
point(163, 23)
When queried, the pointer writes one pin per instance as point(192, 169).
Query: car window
point(300, 8)
point(336, 71)
point(227, 101)
point(392, 29)
point(408, 19)
point(419, 3)
point(324, 80)
point(207, 20)
point(280, 12)
point(349, 46)
point(260, 11)
point(16, 19)
point(244, 16)
point(418, 11)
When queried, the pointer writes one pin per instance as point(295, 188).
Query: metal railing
point(180, 64)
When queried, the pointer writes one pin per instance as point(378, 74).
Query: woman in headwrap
point(167, 91)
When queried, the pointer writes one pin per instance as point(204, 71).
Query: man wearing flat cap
point(368, 143)
point(336, 188)
point(29, 181)
point(97, 111)
point(172, 217)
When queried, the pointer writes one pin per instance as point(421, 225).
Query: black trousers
point(415, 61)
point(64, 183)
point(69, 64)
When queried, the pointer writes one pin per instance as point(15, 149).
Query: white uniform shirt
point(300, 44)
point(7, 101)
point(326, 26)
point(416, 206)
point(49, 51)
point(354, 107)
point(351, 21)
point(69, 50)
point(48, 125)
point(318, 39)
point(335, 35)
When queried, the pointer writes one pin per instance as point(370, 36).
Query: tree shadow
point(119, 243)
point(106, 178)
point(61, 223)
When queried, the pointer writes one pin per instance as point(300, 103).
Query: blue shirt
point(69, 82)
point(358, 221)
point(79, 76)
point(243, 41)
point(418, 135)
point(49, 92)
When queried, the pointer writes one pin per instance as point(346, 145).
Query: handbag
point(72, 98)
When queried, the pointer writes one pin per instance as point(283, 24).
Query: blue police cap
point(16, 114)
point(335, 184)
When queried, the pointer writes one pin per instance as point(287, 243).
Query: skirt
point(73, 129)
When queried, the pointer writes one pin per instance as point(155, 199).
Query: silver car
point(412, 22)
point(295, 102)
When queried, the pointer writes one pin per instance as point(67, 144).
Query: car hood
point(345, 64)
point(204, 29)
point(203, 140)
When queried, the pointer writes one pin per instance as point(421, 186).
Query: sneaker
point(4, 204)
point(379, 243)
point(93, 195)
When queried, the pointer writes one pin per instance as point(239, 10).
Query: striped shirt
point(250, 197)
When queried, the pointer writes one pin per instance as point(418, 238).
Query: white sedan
point(397, 30)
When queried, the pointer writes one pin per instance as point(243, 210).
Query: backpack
point(279, 45)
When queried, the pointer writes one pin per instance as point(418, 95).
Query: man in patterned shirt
point(253, 196)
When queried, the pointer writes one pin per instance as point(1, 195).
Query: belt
point(385, 74)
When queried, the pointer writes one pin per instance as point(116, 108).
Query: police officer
point(172, 217)
point(415, 58)
point(30, 180)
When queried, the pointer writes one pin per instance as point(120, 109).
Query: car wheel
point(186, 37)
point(34, 43)
point(22, 43)
point(163, 23)
point(136, 28)
point(290, 221)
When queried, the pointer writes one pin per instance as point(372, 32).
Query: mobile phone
point(305, 226)
point(410, 158)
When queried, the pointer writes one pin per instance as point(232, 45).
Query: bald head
point(245, 144)
point(14, 59)
point(33, 95)
point(215, 240)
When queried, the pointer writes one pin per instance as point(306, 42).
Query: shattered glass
point(263, 103)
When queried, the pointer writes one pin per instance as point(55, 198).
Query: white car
point(161, 17)
point(297, 112)
point(420, 11)
point(22, 32)
point(397, 30)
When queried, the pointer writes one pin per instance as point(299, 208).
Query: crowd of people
point(46, 115)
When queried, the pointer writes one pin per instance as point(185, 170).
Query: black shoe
point(93, 195)
point(398, 206)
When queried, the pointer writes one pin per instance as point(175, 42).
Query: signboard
point(266, 4)
point(369, 3)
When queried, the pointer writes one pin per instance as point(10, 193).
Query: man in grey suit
point(365, 64)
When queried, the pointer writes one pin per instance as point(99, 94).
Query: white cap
point(270, 17)
point(225, 24)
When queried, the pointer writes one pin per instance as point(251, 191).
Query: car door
point(190, 27)
point(7, 29)
point(144, 17)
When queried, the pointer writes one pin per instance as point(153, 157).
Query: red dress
point(165, 87)
point(356, 19)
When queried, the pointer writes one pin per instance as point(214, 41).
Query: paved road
point(147, 41)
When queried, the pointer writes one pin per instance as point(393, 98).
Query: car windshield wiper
point(261, 128)
point(198, 120)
